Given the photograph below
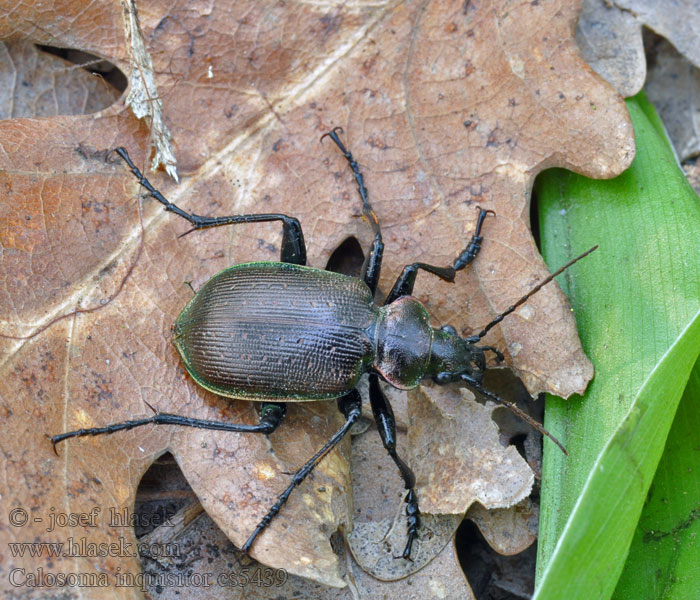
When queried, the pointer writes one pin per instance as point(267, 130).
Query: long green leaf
point(664, 559)
point(636, 301)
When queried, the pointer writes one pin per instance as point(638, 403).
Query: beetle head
point(453, 358)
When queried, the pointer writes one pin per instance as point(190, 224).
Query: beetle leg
point(351, 406)
point(386, 424)
point(373, 264)
point(405, 282)
point(271, 416)
point(293, 247)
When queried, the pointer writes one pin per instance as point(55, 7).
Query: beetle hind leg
point(386, 424)
point(351, 406)
point(271, 415)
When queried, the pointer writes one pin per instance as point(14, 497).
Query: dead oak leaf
point(443, 110)
point(463, 461)
point(507, 530)
point(673, 86)
point(610, 35)
point(379, 529)
point(208, 556)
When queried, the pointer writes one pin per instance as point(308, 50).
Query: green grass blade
point(664, 559)
point(636, 302)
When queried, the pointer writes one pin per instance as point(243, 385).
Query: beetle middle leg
point(351, 406)
point(405, 282)
point(386, 424)
point(293, 247)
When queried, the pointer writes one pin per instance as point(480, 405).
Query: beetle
point(278, 332)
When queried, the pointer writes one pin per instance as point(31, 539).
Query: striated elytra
point(282, 331)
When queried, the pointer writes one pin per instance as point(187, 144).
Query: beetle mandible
point(280, 332)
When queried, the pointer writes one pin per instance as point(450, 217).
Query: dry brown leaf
point(613, 38)
point(442, 578)
point(610, 36)
point(207, 556)
point(507, 530)
point(444, 110)
point(611, 42)
point(451, 472)
point(37, 84)
point(201, 552)
point(379, 521)
point(673, 86)
point(379, 526)
point(678, 22)
point(458, 460)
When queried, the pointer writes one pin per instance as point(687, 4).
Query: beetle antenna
point(525, 298)
point(516, 411)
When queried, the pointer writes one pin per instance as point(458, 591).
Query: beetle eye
point(478, 360)
point(443, 378)
point(448, 329)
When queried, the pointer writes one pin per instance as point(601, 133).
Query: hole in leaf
point(43, 81)
point(347, 258)
point(490, 574)
point(190, 551)
point(163, 490)
point(518, 441)
point(92, 64)
point(514, 430)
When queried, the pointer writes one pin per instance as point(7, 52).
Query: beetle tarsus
point(474, 246)
point(413, 518)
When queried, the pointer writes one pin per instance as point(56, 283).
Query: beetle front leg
point(405, 282)
point(271, 415)
point(351, 406)
point(386, 424)
point(293, 247)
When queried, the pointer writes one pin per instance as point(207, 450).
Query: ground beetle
point(283, 332)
